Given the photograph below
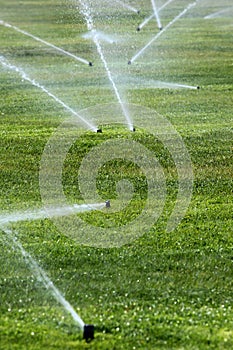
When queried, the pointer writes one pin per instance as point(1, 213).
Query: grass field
point(163, 290)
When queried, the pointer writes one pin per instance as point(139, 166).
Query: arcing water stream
point(42, 277)
point(77, 58)
point(6, 64)
point(86, 11)
point(182, 13)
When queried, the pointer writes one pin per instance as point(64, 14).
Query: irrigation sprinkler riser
point(108, 204)
point(88, 332)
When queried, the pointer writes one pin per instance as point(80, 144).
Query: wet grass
point(163, 290)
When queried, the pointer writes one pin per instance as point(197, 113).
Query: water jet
point(156, 14)
point(146, 20)
point(64, 52)
point(182, 13)
point(42, 277)
point(24, 76)
point(86, 11)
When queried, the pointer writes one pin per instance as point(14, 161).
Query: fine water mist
point(225, 12)
point(127, 6)
point(96, 34)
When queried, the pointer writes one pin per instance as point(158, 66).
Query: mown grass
point(164, 290)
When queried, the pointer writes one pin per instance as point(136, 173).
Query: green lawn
point(162, 290)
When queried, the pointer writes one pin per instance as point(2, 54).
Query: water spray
point(90, 25)
point(40, 274)
point(156, 14)
point(6, 64)
point(126, 6)
point(136, 82)
point(162, 84)
point(77, 58)
point(152, 16)
point(100, 35)
point(219, 13)
point(140, 52)
point(50, 212)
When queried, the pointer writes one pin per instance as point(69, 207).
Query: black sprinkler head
point(161, 28)
point(88, 332)
point(90, 64)
point(107, 203)
point(133, 129)
point(99, 130)
point(138, 29)
point(129, 62)
point(198, 87)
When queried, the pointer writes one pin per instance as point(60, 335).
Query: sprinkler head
point(160, 28)
point(138, 12)
point(133, 130)
point(107, 204)
point(90, 64)
point(198, 87)
point(99, 130)
point(88, 332)
point(138, 29)
point(129, 62)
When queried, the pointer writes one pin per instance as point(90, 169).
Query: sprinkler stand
point(88, 332)
point(107, 203)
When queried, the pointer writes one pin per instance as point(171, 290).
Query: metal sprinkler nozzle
point(107, 204)
point(88, 332)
